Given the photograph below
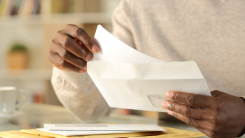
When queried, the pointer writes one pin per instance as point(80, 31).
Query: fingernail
point(165, 105)
point(95, 49)
point(85, 67)
point(170, 112)
point(169, 94)
point(89, 56)
point(82, 71)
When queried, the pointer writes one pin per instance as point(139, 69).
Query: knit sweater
point(209, 32)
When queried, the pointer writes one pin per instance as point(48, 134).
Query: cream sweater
point(210, 32)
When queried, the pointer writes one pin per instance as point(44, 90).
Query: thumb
point(216, 93)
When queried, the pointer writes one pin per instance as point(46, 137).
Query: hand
point(71, 48)
point(219, 116)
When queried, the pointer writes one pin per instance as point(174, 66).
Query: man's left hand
point(218, 116)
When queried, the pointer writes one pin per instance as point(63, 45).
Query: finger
point(216, 93)
point(81, 44)
point(204, 126)
point(60, 68)
point(185, 110)
point(187, 120)
point(69, 57)
point(72, 46)
point(81, 70)
point(61, 63)
point(191, 99)
point(81, 35)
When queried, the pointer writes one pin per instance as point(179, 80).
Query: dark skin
point(71, 48)
point(218, 116)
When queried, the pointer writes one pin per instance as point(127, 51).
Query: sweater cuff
point(243, 131)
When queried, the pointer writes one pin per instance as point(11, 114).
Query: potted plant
point(17, 57)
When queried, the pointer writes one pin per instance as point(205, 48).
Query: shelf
point(57, 19)
point(29, 74)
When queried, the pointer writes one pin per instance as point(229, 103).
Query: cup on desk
point(8, 100)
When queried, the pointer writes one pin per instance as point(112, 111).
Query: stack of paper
point(129, 79)
point(170, 133)
point(94, 129)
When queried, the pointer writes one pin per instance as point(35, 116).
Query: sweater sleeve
point(78, 94)
point(76, 91)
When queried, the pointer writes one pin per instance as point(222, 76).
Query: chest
point(212, 34)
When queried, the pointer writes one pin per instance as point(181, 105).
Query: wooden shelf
point(29, 74)
point(57, 19)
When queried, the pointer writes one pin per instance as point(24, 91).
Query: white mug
point(8, 100)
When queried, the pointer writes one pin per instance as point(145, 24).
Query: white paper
point(104, 127)
point(129, 79)
point(81, 133)
point(92, 129)
point(112, 49)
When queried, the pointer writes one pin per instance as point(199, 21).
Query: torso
point(210, 32)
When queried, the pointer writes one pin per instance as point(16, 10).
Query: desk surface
point(35, 115)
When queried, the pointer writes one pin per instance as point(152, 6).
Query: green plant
point(18, 47)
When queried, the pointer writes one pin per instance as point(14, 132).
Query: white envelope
point(129, 79)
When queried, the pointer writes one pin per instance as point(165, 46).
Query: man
point(210, 32)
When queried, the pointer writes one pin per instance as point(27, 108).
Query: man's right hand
point(71, 48)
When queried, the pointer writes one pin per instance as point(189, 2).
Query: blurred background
point(26, 29)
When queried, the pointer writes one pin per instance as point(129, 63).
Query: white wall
point(31, 35)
